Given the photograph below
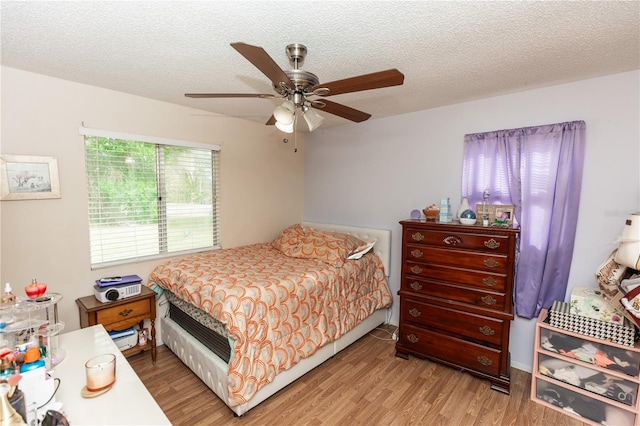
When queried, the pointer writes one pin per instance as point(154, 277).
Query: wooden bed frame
point(213, 371)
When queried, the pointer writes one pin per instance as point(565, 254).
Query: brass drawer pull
point(490, 263)
point(417, 236)
point(492, 244)
point(487, 331)
point(416, 285)
point(484, 360)
point(416, 253)
point(489, 281)
point(412, 338)
point(416, 269)
point(489, 300)
point(452, 240)
point(415, 313)
point(125, 313)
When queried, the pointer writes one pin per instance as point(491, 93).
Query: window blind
point(149, 199)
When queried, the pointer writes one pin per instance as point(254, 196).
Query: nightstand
point(122, 314)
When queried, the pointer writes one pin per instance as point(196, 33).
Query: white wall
point(48, 239)
point(369, 174)
point(374, 173)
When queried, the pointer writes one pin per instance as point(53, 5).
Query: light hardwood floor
point(366, 384)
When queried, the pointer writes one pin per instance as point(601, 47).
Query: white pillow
point(362, 250)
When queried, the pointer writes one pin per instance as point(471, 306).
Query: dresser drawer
point(471, 241)
point(478, 279)
point(468, 325)
point(491, 262)
point(471, 296)
point(125, 315)
point(451, 350)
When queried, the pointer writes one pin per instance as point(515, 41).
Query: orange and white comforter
point(277, 309)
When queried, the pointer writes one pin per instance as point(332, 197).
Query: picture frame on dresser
point(504, 213)
point(496, 211)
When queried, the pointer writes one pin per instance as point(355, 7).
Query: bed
point(278, 312)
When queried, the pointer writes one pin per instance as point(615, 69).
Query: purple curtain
point(539, 171)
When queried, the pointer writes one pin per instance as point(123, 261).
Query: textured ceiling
point(449, 52)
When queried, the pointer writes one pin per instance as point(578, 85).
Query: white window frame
point(85, 131)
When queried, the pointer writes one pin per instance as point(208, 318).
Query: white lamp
point(287, 128)
point(628, 253)
point(284, 113)
point(313, 119)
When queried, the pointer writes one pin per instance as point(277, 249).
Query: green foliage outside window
point(147, 199)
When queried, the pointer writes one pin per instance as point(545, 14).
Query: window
point(149, 197)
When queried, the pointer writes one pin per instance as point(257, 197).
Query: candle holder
point(101, 374)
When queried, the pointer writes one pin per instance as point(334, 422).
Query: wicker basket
point(431, 212)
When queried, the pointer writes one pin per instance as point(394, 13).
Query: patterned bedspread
point(277, 310)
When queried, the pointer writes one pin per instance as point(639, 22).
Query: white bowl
point(467, 221)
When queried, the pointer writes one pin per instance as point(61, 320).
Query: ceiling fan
point(301, 89)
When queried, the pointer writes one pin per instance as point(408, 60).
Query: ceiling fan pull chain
point(295, 133)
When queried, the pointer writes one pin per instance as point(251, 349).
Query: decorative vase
point(463, 206)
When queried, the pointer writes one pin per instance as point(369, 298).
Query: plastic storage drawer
point(594, 381)
point(591, 350)
point(582, 405)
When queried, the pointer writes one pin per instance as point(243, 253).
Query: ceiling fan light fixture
point(286, 128)
point(296, 85)
point(284, 113)
point(313, 119)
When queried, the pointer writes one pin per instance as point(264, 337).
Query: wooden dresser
point(456, 297)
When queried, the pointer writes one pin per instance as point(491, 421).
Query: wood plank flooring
point(366, 384)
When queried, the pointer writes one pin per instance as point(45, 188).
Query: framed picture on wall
point(24, 177)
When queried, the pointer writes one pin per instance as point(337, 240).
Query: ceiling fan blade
point(231, 95)
point(271, 121)
point(376, 80)
point(261, 60)
point(344, 111)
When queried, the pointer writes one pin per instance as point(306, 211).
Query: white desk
point(127, 403)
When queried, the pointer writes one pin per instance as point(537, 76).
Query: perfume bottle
point(8, 298)
point(485, 207)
